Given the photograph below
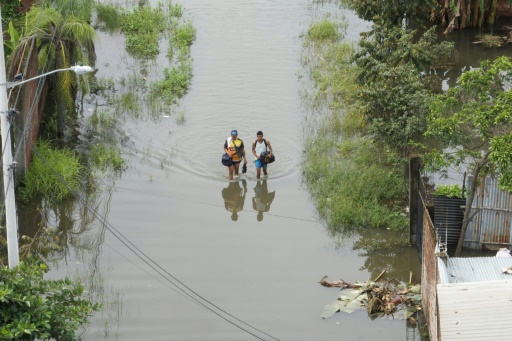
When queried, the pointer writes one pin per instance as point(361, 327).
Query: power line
point(153, 264)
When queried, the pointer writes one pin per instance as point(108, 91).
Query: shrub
point(323, 31)
point(450, 191)
point(104, 157)
point(34, 308)
point(41, 178)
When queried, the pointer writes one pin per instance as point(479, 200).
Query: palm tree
point(57, 35)
point(61, 36)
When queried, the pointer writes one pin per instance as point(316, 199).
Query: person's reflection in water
point(262, 199)
point(234, 197)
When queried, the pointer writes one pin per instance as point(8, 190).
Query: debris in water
point(401, 300)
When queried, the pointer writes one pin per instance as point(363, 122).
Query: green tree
point(394, 11)
point(473, 124)
point(395, 82)
point(60, 34)
point(35, 308)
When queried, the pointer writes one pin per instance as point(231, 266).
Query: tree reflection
point(78, 229)
point(390, 251)
point(383, 250)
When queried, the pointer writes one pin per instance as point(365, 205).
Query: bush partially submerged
point(41, 178)
point(32, 307)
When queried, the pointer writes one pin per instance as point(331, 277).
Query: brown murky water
point(171, 203)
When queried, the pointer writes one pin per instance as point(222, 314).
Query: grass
point(323, 31)
point(143, 27)
point(181, 39)
point(42, 180)
point(104, 157)
point(352, 183)
point(353, 180)
point(180, 118)
point(174, 86)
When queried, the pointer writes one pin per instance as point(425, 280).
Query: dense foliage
point(474, 118)
point(59, 34)
point(393, 10)
point(353, 180)
point(32, 307)
point(473, 124)
point(452, 14)
point(394, 82)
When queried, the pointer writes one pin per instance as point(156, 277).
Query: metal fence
point(491, 228)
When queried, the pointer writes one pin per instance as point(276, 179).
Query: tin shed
point(474, 299)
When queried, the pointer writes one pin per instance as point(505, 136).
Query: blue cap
point(234, 132)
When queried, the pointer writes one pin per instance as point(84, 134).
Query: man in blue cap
point(234, 147)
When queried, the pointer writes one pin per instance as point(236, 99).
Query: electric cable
point(150, 262)
point(128, 243)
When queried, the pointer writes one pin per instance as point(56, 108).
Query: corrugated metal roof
point(475, 311)
point(474, 269)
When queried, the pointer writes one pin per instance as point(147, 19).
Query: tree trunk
point(60, 107)
point(60, 115)
point(454, 23)
point(468, 216)
point(476, 13)
point(492, 12)
point(31, 113)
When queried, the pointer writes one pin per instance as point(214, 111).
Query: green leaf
point(348, 301)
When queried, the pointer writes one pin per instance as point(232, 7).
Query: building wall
point(429, 276)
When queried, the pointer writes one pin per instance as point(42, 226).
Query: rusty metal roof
point(474, 269)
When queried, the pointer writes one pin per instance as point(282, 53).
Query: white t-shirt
point(260, 148)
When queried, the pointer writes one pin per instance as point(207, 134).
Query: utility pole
point(8, 166)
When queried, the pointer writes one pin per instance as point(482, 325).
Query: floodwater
point(169, 229)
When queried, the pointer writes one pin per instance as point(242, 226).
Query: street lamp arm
point(78, 69)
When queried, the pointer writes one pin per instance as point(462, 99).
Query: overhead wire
point(123, 239)
point(153, 264)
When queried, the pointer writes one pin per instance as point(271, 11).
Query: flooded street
point(170, 207)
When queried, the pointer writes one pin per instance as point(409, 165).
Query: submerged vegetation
point(82, 141)
point(138, 94)
point(369, 107)
point(382, 97)
point(353, 180)
point(54, 173)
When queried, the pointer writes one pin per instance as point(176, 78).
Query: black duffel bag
point(266, 158)
point(226, 160)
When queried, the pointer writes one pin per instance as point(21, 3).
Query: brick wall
point(429, 276)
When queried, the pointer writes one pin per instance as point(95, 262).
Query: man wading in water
point(259, 146)
point(234, 147)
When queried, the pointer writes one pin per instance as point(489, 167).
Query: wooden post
point(414, 179)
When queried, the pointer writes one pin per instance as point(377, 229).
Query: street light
point(78, 69)
point(8, 166)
